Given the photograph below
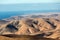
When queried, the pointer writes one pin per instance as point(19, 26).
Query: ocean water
point(7, 11)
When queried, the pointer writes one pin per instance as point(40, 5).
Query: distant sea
point(7, 11)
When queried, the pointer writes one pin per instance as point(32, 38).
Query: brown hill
point(44, 27)
point(25, 37)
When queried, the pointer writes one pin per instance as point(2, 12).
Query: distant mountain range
point(55, 15)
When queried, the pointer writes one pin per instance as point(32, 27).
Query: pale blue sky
point(28, 1)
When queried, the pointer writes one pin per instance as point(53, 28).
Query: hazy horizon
point(15, 7)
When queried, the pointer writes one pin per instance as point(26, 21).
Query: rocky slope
point(47, 27)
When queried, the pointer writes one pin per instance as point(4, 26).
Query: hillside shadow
point(27, 37)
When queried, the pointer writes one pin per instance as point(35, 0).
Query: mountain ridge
point(47, 26)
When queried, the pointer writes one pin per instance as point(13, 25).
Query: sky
point(28, 1)
point(16, 5)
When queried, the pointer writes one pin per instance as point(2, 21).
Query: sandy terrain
point(34, 27)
